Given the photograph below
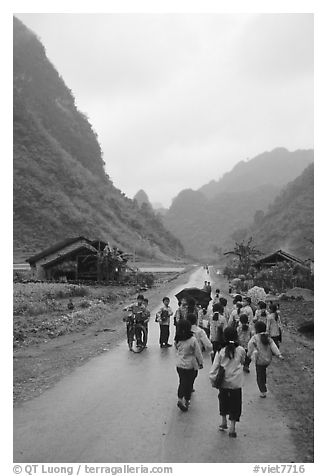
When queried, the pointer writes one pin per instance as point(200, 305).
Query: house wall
point(39, 271)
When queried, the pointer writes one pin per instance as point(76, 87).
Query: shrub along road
point(121, 407)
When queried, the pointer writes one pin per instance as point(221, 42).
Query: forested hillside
point(289, 222)
point(60, 186)
point(277, 167)
point(213, 217)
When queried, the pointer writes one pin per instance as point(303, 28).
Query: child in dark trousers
point(244, 335)
point(163, 317)
point(232, 358)
point(261, 349)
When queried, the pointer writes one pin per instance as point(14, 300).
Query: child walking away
point(163, 317)
point(216, 297)
point(244, 335)
point(223, 302)
point(234, 318)
point(201, 337)
point(261, 349)
point(189, 361)
point(247, 308)
point(203, 322)
point(261, 312)
point(231, 358)
point(217, 325)
point(181, 311)
point(274, 325)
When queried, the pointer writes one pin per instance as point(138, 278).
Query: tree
point(246, 253)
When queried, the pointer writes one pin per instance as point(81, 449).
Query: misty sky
point(178, 99)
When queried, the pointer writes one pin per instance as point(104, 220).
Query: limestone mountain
point(141, 197)
point(288, 223)
point(277, 167)
point(218, 213)
point(61, 189)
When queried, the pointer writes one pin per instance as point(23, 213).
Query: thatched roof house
point(77, 258)
point(278, 256)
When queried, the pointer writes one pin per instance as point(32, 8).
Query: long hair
point(223, 301)
point(191, 305)
point(231, 340)
point(260, 328)
point(244, 320)
point(191, 318)
point(273, 310)
point(183, 330)
point(237, 298)
point(239, 306)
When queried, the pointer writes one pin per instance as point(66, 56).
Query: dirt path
point(38, 367)
point(121, 400)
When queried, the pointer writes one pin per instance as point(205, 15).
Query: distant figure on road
point(189, 361)
point(163, 317)
point(261, 349)
point(232, 358)
point(216, 297)
point(209, 288)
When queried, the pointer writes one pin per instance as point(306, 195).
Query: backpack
point(219, 380)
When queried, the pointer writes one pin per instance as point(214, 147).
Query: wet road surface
point(121, 407)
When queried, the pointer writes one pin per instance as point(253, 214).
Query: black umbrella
point(199, 295)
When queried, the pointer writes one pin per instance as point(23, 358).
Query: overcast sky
point(178, 99)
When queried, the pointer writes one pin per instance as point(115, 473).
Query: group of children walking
point(234, 339)
point(247, 333)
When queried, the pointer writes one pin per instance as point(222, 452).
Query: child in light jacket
point(188, 361)
point(245, 333)
point(163, 317)
point(274, 325)
point(232, 358)
point(261, 349)
point(218, 323)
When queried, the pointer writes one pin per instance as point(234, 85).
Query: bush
point(145, 279)
point(79, 291)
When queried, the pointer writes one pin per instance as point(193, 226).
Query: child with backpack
point(274, 325)
point(234, 318)
point(231, 358)
point(261, 349)
point(163, 317)
point(244, 335)
point(217, 323)
point(223, 302)
point(189, 360)
point(261, 312)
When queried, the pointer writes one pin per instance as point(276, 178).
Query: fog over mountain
point(219, 212)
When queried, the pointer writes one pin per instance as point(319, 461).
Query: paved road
point(121, 407)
